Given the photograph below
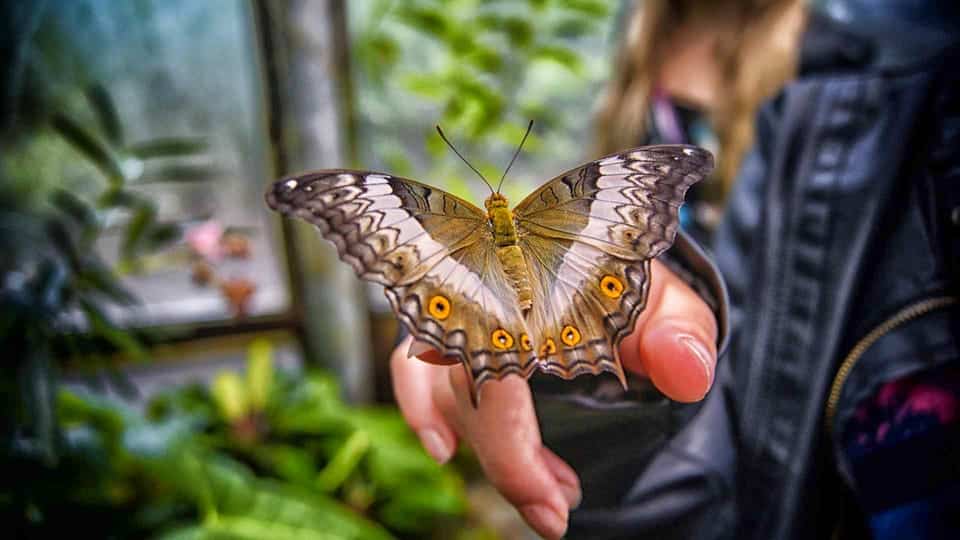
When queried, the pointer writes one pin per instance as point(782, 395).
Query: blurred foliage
point(268, 455)
point(56, 287)
point(67, 175)
point(481, 69)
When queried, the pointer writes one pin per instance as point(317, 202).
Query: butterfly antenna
point(515, 154)
point(444, 137)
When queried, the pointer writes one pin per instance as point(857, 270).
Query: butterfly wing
point(432, 252)
point(588, 237)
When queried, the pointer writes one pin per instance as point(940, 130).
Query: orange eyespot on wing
point(570, 336)
point(611, 286)
point(525, 343)
point(501, 339)
point(439, 307)
point(548, 348)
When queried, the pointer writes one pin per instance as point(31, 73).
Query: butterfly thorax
point(504, 232)
point(501, 220)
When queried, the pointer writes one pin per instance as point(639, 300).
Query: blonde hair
point(755, 55)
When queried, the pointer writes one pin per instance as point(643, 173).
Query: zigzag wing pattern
point(588, 236)
point(483, 326)
point(433, 253)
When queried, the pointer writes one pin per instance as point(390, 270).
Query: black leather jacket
point(841, 253)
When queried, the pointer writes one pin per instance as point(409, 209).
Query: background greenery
point(261, 454)
point(265, 455)
point(481, 70)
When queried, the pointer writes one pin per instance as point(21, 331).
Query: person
point(835, 409)
point(695, 72)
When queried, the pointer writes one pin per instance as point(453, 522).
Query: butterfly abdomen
point(508, 252)
point(511, 258)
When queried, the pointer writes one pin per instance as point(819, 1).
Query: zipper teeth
point(901, 317)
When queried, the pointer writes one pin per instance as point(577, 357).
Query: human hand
point(673, 343)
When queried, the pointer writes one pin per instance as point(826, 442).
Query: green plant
point(480, 68)
point(297, 430)
point(57, 287)
point(192, 466)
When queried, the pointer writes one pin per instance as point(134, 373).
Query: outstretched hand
point(673, 343)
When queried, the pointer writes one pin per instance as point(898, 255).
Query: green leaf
point(62, 239)
point(98, 277)
point(107, 417)
point(430, 86)
point(181, 173)
point(76, 208)
point(136, 230)
point(192, 532)
point(431, 21)
point(572, 28)
point(518, 30)
point(49, 286)
point(343, 462)
point(234, 491)
point(591, 8)
point(120, 338)
point(561, 55)
point(415, 509)
point(169, 147)
point(106, 112)
point(230, 395)
point(247, 528)
point(88, 145)
point(288, 462)
point(117, 197)
point(160, 236)
point(461, 40)
point(485, 59)
point(259, 373)
point(384, 51)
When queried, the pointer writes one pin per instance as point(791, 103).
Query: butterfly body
point(555, 283)
point(504, 231)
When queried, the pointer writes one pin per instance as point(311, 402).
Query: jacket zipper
point(899, 318)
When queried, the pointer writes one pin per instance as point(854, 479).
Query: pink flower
point(204, 239)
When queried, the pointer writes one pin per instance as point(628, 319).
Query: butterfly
point(553, 284)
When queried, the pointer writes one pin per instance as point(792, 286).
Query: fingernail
point(701, 353)
point(571, 494)
point(434, 444)
point(545, 520)
point(569, 484)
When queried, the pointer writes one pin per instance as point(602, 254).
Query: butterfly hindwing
point(585, 303)
point(588, 237)
point(466, 309)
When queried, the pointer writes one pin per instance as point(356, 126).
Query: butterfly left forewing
point(433, 253)
point(588, 237)
point(390, 230)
